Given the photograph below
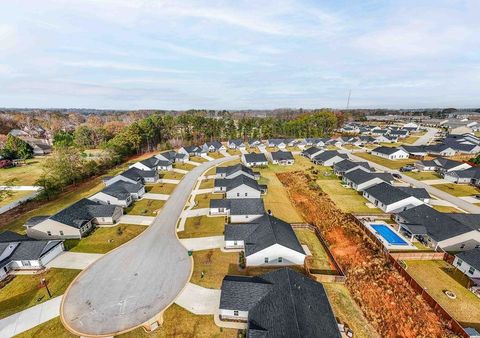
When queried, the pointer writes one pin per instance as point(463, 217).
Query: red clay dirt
point(388, 302)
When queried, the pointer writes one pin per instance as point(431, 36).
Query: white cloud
point(122, 66)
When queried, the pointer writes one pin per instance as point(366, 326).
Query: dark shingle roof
point(329, 154)
point(359, 176)
point(311, 151)
point(121, 189)
point(420, 193)
point(236, 142)
point(346, 164)
point(437, 225)
point(231, 183)
point(282, 155)
point(82, 212)
point(386, 193)
point(471, 257)
point(282, 304)
point(386, 150)
point(138, 174)
point(240, 206)
point(234, 168)
point(27, 249)
point(263, 233)
point(446, 163)
point(10, 236)
point(254, 157)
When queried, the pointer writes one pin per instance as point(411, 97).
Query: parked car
point(397, 176)
point(407, 168)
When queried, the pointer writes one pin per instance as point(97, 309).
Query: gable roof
point(136, 174)
point(82, 212)
point(420, 193)
point(231, 183)
point(234, 168)
point(312, 150)
point(446, 163)
point(471, 257)
point(359, 176)
point(386, 193)
point(387, 150)
point(282, 155)
point(10, 236)
point(122, 190)
point(240, 206)
point(347, 164)
point(214, 144)
point(470, 173)
point(236, 142)
point(255, 158)
point(329, 154)
point(24, 248)
point(263, 233)
point(281, 303)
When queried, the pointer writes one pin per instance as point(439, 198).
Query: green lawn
point(385, 162)
point(102, 240)
point(198, 159)
point(424, 175)
point(347, 200)
point(410, 139)
point(458, 189)
point(51, 328)
point(25, 173)
point(301, 164)
point(214, 264)
point(160, 188)
point(234, 151)
point(184, 166)
point(348, 311)
point(145, 207)
point(215, 155)
point(23, 292)
point(15, 195)
point(203, 226)
point(207, 184)
point(437, 276)
point(203, 200)
point(172, 175)
point(320, 257)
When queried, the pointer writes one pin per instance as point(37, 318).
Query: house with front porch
point(214, 146)
point(236, 144)
point(254, 160)
point(281, 303)
point(312, 152)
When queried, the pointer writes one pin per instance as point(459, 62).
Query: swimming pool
point(391, 237)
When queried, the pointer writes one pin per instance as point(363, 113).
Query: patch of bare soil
point(387, 301)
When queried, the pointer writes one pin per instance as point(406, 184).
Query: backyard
point(458, 190)
point(397, 164)
point(23, 291)
point(172, 175)
point(203, 226)
point(320, 261)
point(198, 159)
point(102, 240)
point(215, 155)
point(438, 276)
point(184, 166)
point(145, 207)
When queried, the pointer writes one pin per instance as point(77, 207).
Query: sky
point(129, 54)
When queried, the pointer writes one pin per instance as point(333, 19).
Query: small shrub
point(242, 262)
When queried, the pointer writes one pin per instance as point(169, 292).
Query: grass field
point(203, 200)
point(51, 328)
point(347, 200)
point(184, 166)
point(445, 208)
point(145, 207)
point(458, 189)
point(214, 264)
point(203, 226)
point(172, 175)
point(347, 311)
point(424, 175)
point(437, 276)
point(25, 173)
point(15, 195)
point(102, 240)
point(23, 292)
point(234, 151)
point(198, 159)
point(207, 184)
point(215, 155)
point(161, 188)
point(320, 257)
point(385, 162)
point(410, 139)
point(301, 163)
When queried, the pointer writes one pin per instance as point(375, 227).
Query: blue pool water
point(391, 237)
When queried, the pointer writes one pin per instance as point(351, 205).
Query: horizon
point(128, 55)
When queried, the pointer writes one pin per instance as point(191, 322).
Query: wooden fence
point(320, 276)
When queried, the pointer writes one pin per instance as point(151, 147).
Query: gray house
point(20, 253)
point(312, 152)
point(282, 157)
point(329, 157)
point(119, 193)
point(240, 186)
point(346, 166)
point(239, 210)
point(359, 179)
point(75, 221)
point(236, 170)
point(135, 175)
point(282, 303)
point(254, 160)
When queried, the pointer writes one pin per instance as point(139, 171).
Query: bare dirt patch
point(392, 307)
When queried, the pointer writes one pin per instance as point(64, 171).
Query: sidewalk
point(199, 300)
point(29, 318)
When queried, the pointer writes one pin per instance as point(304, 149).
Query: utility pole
point(348, 100)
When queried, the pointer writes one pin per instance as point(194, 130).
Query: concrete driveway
point(136, 219)
point(199, 300)
point(152, 196)
point(203, 243)
point(132, 285)
point(73, 260)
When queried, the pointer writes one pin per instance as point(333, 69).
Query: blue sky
point(128, 54)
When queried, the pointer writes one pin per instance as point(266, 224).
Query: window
point(238, 194)
point(280, 259)
point(26, 263)
point(471, 270)
point(477, 246)
point(61, 233)
point(235, 243)
point(266, 259)
point(49, 233)
point(246, 194)
point(235, 312)
point(459, 262)
point(462, 246)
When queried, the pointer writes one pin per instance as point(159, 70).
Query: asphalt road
point(426, 138)
point(133, 284)
point(462, 204)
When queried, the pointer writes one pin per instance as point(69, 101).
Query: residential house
point(390, 199)
point(419, 193)
point(239, 210)
point(469, 263)
point(391, 153)
point(360, 179)
point(385, 138)
point(329, 157)
point(399, 133)
point(171, 157)
point(192, 151)
point(347, 166)
point(254, 160)
point(281, 303)
point(214, 146)
point(236, 170)
point(40, 147)
point(415, 151)
point(19, 253)
point(75, 221)
point(254, 143)
point(467, 176)
point(446, 231)
point(239, 187)
point(267, 241)
point(312, 152)
point(236, 144)
point(153, 164)
point(277, 142)
point(440, 150)
point(282, 157)
point(119, 193)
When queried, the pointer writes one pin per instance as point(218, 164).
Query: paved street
point(425, 139)
point(462, 204)
point(133, 284)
